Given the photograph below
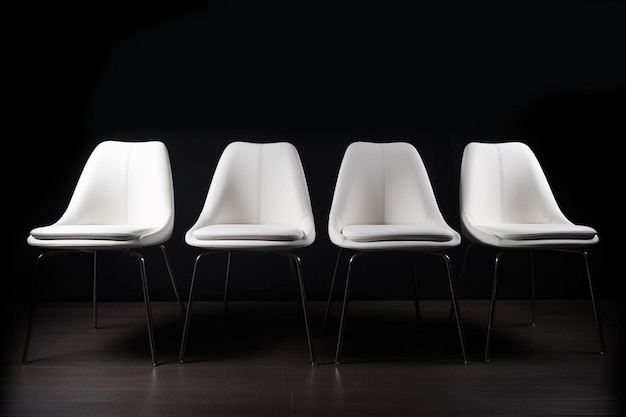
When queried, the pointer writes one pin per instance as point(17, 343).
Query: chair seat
point(390, 232)
point(280, 232)
point(90, 232)
point(531, 231)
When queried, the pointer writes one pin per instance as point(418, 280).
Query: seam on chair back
point(502, 192)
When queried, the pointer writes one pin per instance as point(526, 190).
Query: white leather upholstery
point(124, 198)
point(383, 200)
point(506, 201)
point(258, 199)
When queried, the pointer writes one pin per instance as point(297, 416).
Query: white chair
point(384, 201)
point(506, 203)
point(258, 200)
point(123, 201)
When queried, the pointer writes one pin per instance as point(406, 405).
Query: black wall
point(200, 75)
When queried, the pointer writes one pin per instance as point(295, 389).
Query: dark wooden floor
point(257, 363)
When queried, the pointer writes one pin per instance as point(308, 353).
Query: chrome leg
point(146, 297)
point(183, 343)
point(227, 283)
point(492, 306)
point(457, 310)
point(344, 308)
point(171, 274)
point(294, 274)
point(593, 304)
point(298, 263)
point(330, 293)
point(33, 300)
point(460, 279)
point(31, 311)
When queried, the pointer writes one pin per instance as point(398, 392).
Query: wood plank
point(255, 363)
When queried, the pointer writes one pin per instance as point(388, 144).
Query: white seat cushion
point(90, 232)
point(387, 232)
point(249, 232)
point(528, 231)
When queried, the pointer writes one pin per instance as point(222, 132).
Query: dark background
point(198, 75)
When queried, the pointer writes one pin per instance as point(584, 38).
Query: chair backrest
point(504, 183)
point(125, 183)
point(259, 183)
point(382, 183)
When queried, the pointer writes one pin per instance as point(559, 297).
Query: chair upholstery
point(123, 200)
point(258, 200)
point(506, 202)
point(384, 201)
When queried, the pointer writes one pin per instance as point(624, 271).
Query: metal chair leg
point(31, 311)
point(330, 293)
point(454, 308)
point(33, 300)
point(457, 310)
point(593, 304)
point(344, 308)
point(183, 343)
point(227, 283)
point(492, 306)
point(460, 280)
point(173, 281)
point(294, 275)
point(298, 264)
point(146, 298)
